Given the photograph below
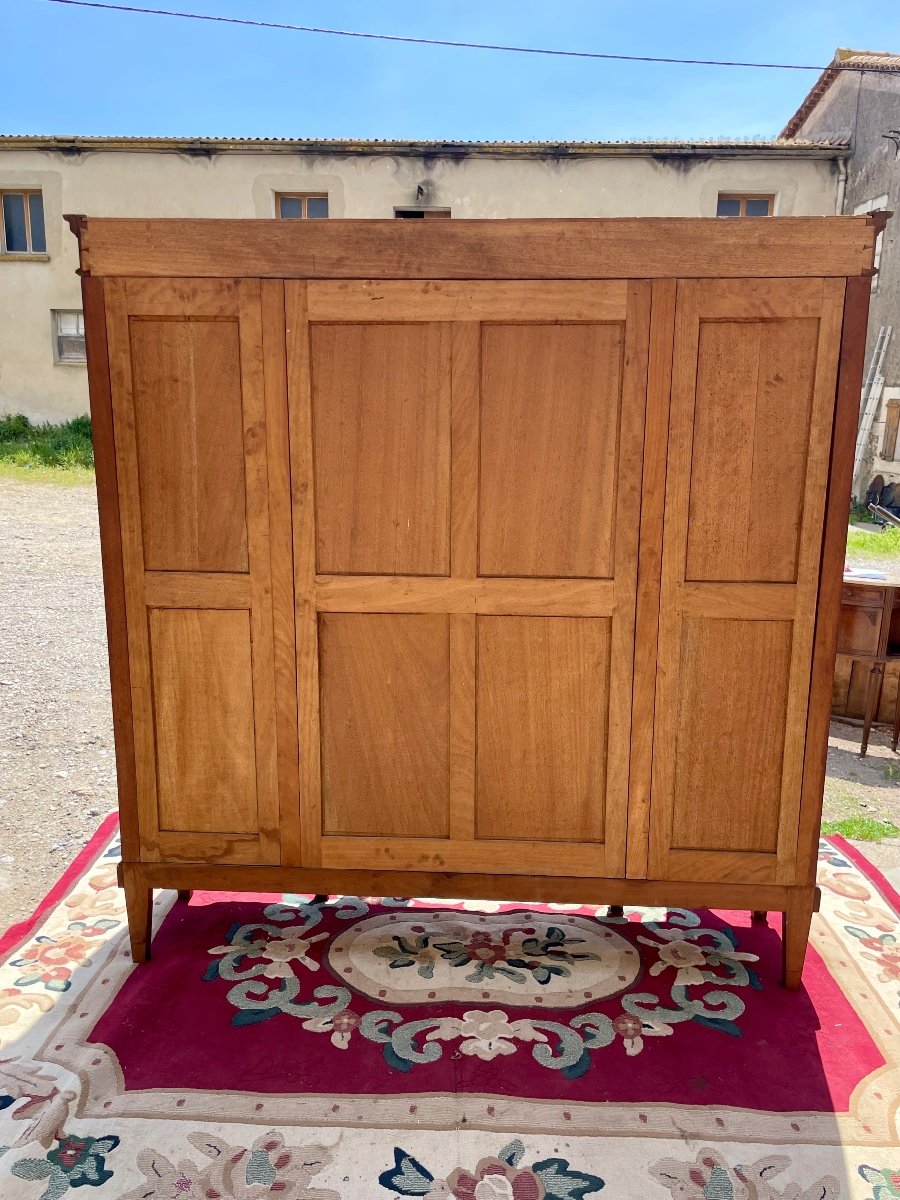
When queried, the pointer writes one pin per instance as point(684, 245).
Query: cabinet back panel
point(543, 696)
point(751, 431)
point(729, 751)
point(203, 717)
point(385, 686)
point(381, 417)
point(187, 411)
point(550, 404)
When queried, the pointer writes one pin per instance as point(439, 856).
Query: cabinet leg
point(758, 917)
point(615, 910)
point(795, 935)
point(873, 695)
point(895, 735)
point(139, 907)
point(184, 894)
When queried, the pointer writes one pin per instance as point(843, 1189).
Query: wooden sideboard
point(493, 559)
point(869, 632)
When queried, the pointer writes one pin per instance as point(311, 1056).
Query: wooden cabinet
point(495, 559)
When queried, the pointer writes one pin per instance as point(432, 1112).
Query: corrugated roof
point(63, 143)
point(875, 60)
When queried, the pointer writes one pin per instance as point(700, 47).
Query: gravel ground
point(57, 770)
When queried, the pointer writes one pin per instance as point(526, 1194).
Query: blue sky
point(82, 71)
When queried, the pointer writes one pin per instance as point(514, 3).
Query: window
point(68, 336)
point(870, 206)
point(294, 205)
point(421, 212)
point(23, 223)
point(734, 205)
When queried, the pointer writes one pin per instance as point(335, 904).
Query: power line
point(422, 41)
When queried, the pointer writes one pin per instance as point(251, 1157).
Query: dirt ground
point(57, 772)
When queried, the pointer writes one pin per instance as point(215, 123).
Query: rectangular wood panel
point(187, 412)
point(729, 748)
point(751, 431)
point(203, 716)
point(385, 716)
point(549, 449)
point(543, 694)
point(381, 418)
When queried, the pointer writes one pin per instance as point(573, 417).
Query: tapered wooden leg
point(139, 907)
point(615, 910)
point(758, 916)
point(184, 895)
point(795, 937)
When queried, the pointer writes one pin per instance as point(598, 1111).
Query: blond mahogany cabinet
point(492, 559)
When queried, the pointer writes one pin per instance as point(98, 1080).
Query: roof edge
point(862, 60)
point(208, 146)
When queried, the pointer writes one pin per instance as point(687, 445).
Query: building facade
point(862, 108)
point(42, 371)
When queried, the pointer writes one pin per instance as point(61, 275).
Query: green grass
point(862, 829)
point(48, 453)
point(880, 544)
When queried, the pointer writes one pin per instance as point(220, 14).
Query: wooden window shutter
point(891, 423)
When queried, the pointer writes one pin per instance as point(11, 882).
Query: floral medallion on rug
point(366, 1047)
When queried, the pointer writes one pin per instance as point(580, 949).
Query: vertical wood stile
point(625, 567)
point(821, 421)
point(111, 554)
point(464, 425)
point(253, 404)
point(306, 616)
point(656, 438)
point(677, 497)
point(117, 325)
point(282, 564)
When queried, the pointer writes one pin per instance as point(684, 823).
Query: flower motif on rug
point(14, 1003)
point(46, 1108)
point(514, 954)
point(882, 949)
point(500, 1178)
point(710, 1177)
point(268, 1167)
point(512, 959)
point(50, 960)
point(73, 1162)
point(884, 1181)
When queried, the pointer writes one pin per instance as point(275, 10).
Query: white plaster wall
point(239, 184)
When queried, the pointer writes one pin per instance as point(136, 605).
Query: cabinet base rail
point(797, 904)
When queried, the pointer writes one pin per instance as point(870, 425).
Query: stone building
point(41, 346)
point(862, 108)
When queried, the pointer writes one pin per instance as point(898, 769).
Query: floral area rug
point(373, 1047)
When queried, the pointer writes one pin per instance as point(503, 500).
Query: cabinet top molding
point(544, 248)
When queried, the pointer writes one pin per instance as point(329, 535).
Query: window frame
point(24, 192)
point(407, 212)
point(304, 197)
point(742, 198)
point(60, 359)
